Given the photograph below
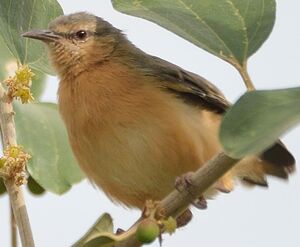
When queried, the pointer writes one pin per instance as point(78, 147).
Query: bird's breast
point(133, 139)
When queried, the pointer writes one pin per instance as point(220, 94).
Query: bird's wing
point(187, 85)
point(197, 90)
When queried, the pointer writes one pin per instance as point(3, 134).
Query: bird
point(136, 122)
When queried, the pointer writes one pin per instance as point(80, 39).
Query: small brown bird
point(136, 122)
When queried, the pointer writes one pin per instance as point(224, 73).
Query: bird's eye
point(81, 35)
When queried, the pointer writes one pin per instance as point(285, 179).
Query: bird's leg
point(183, 183)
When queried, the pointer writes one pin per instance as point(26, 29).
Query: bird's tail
point(276, 161)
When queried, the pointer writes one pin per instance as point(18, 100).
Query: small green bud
point(147, 231)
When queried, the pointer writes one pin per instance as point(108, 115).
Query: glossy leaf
point(41, 131)
point(232, 30)
point(19, 16)
point(257, 119)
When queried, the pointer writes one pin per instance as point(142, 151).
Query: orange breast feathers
point(132, 138)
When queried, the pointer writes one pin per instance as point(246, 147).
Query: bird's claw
point(200, 203)
point(184, 181)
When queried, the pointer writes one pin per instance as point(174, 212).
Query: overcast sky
point(247, 218)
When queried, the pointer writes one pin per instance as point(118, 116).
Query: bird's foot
point(183, 219)
point(200, 203)
point(184, 181)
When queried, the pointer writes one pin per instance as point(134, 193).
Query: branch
point(178, 201)
point(13, 228)
point(15, 193)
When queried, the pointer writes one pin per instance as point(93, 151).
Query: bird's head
point(78, 41)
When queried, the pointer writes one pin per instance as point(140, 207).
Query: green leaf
point(38, 85)
point(34, 187)
point(257, 119)
point(5, 58)
point(42, 133)
point(100, 241)
point(19, 16)
point(100, 234)
point(232, 30)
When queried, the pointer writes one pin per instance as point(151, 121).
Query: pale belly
point(140, 161)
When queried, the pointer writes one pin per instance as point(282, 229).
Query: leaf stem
point(8, 133)
point(246, 77)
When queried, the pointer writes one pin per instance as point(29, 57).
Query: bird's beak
point(43, 35)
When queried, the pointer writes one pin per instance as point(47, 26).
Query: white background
point(247, 218)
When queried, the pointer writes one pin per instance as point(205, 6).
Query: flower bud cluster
point(13, 163)
point(19, 84)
